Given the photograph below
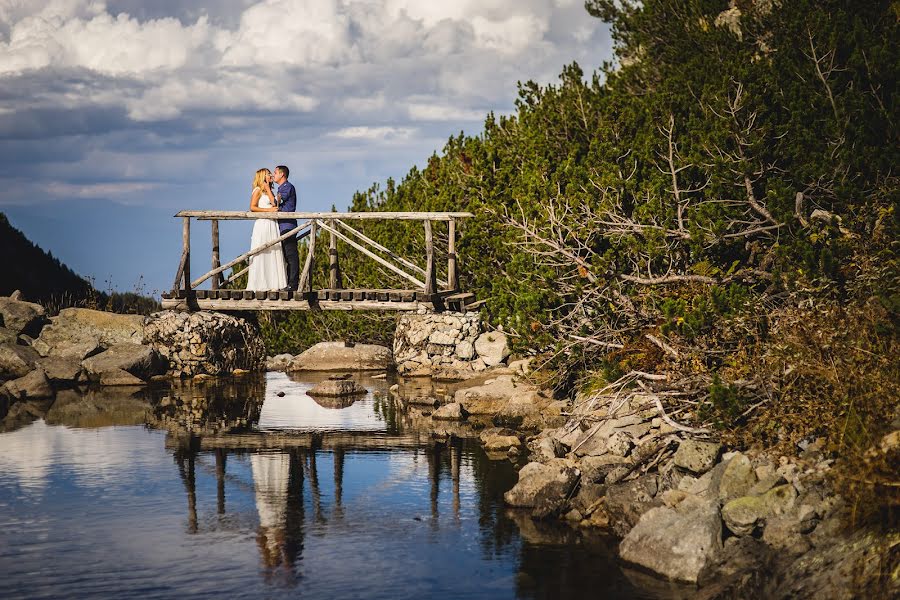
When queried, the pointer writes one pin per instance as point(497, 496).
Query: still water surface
point(365, 509)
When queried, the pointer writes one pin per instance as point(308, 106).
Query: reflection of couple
point(267, 269)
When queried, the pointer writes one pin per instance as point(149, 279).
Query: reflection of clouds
point(297, 411)
point(95, 457)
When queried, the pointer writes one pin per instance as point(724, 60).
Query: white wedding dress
point(267, 271)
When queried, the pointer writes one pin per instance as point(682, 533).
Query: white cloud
point(373, 133)
point(443, 112)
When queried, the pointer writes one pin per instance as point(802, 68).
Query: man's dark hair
point(285, 170)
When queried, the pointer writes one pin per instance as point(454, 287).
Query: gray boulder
point(735, 479)
point(119, 377)
point(61, 372)
point(696, 456)
point(541, 484)
point(279, 362)
point(34, 385)
point(8, 336)
point(626, 502)
point(744, 515)
point(337, 356)
point(140, 361)
point(22, 317)
point(676, 543)
point(16, 361)
point(492, 348)
point(336, 387)
point(450, 412)
point(81, 332)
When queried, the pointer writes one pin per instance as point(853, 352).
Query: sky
point(116, 114)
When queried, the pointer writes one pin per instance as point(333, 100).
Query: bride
point(267, 270)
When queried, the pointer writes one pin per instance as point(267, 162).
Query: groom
point(288, 203)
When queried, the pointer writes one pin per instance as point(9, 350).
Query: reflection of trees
point(492, 479)
point(390, 410)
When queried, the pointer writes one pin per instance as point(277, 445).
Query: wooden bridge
point(427, 292)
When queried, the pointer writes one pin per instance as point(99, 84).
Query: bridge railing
point(309, 225)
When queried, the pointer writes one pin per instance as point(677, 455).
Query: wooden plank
point(306, 275)
point(371, 295)
point(359, 295)
point(201, 294)
point(322, 294)
point(334, 269)
point(372, 255)
point(249, 294)
point(235, 215)
point(285, 294)
point(476, 305)
point(430, 284)
point(407, 295)
point(179, 274)
point(346, 295)
point(460, 296)
point(377, 246)
point(383, 296)
point(247, 305)
point(167, 295)
point(452, 276)
point(251, 252)
point(215, 252)
point(272, 295)
point(394, 296)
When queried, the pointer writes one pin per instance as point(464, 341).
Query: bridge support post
point(215, 253)
point(334, 269)
point(430, 279)
point(452, 275)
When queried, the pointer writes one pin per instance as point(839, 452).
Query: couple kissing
point(277, 267)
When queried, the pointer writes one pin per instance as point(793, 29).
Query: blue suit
point(289, 245)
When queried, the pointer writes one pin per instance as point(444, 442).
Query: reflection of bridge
point(429, 291)
point(281, 481)
point(319, 440)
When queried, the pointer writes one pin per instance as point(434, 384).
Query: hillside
point(713, 216)
point(34, 271)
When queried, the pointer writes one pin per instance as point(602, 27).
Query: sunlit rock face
point(205, 343)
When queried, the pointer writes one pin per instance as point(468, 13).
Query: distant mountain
point(34, 271)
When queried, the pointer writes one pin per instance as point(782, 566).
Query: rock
point(522, 366)
point(619, 444)
point(676, 543)
point(517, 415)
point(626, 502)
point(547, 449)
point(737, 477)
point(8, 336)
point(336, 356)
point(34, 385)
point(22, 317)
point(588, 498)
point(279, 362)
point(492, 348)
point(450, 412)
point(334, 387)
point(493, 395)
point(81, 332)
point(744, 515)
point(16, 361)
point(119, 377)
point(62, 372)
point(140, 361)
point(496, 439)
point(542, 485)
point(696, 456)
point(205, 343)
point(465, 350)
point(596, 468)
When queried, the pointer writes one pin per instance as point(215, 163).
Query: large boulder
point(492, 396)
point(542, 484)
point(205, 343)
point(450, 412)
point(627, 502)
point(81, 332)
point(492, 348)
point(16, 361)
point(744, 515)
point(61, 371)
point(34, 385)
point(100, 408)
point(8, 336)
point(696, 456)
point(22, 317)
point(678, 542)
point(336, 387)
point(279, 362)
point(338, 356)
point(141, 361)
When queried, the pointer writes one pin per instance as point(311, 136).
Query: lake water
point(233, 490)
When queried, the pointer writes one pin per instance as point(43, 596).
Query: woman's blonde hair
point(259, 180)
